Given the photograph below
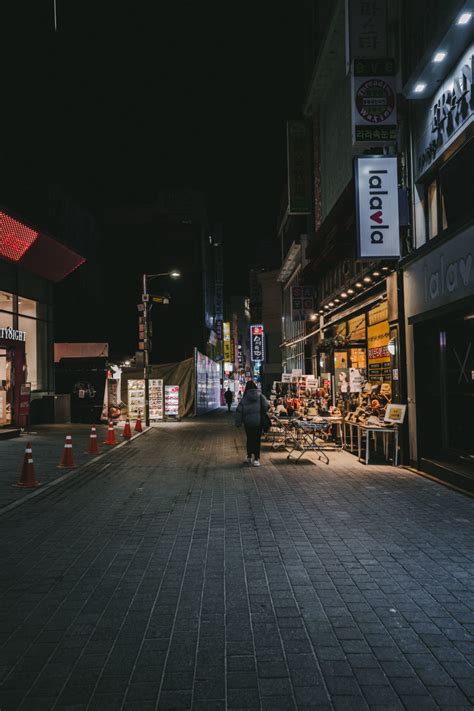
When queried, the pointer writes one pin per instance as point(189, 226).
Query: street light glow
point(464, 18)
point(175, 274)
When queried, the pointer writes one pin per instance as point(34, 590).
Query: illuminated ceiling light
point(344, 295)
point(464, 18)
point(351, 291)
point(331, 303)
point(367, 280)
point(439, 56)
point(326, 306)
point(385, 269)
point(419, 88)
point(359, 285)
point(338, 301)
point(313, 317)
point(375, 273)
point(321, 311)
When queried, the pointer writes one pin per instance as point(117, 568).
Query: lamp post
point(146, 340)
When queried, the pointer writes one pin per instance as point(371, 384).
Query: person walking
point(249, 414)
point(229, 398)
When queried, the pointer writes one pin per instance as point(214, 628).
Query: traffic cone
point(92, 447)
point(28, 478)
point(138, 425)
point(127, 432)
point(110, 434)
point(67, 459)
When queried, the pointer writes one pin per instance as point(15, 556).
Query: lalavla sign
point(442, 277)
point(376, 186)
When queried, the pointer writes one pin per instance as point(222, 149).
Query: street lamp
point(146, 341)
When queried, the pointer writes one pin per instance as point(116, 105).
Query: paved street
point(47, 442)
point(172, 576)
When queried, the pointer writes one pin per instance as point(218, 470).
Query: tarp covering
point(182, 374)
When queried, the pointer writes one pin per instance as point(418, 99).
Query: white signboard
point(367, 23)
point(155, 392)
point(395, 413)
point(286, 377)
point(172, 400)
point(376, 185)
point(297, 372)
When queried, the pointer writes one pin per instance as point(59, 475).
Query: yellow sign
point(357, 328)
point(378, 337)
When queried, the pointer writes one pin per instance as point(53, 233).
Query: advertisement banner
point(302, 303)
point(257, 342)
point(155, 392)
point(299, 168)
point(374, 105)
point(378, 355)
point(376, 186)
point(172, 400)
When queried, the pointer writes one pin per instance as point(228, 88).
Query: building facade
point(31, 263)
point(438, 274)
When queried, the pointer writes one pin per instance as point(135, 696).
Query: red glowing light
point(35, 251)
point(15, 238)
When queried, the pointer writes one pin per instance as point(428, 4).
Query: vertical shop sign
point(302, 303)
point(366, 29)
point(25, 395)
point(219, 330)
point(156, 399)
point(299, 168)
point(376, 187)
point(227, 341)
point(257, 342)
point(378, 355)
point(374, 103)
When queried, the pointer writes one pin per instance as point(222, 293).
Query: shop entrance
point(6, 390)
point(12, 377)
point(444, 363)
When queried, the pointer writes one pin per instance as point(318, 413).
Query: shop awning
point(35, 251)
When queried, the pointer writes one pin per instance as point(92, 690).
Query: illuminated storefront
point(30, 263)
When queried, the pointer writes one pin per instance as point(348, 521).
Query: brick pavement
point(47, 442)
point(179, 578)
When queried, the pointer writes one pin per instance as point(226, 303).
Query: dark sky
point(130, 96)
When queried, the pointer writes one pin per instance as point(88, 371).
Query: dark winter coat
point(228, 396)
point(249, 408)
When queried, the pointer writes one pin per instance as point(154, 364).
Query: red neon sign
point(15, 238)
point(36, 251)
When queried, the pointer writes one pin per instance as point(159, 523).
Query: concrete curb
point(67, 475)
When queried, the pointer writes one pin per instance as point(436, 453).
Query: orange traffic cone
point(127, 432)
point(110, 434)
point(28, 478)
point(138, 425)
point(92, 446)
point(67, 459)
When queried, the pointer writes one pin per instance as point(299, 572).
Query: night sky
point(127, 97)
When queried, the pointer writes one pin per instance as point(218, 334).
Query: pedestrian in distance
point(229, 398)
point(249, 413)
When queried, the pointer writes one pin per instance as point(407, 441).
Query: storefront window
point(6, 301)
point(6, 320)
point(432, 209)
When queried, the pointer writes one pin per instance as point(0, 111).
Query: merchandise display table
point(352, 426)
point(386, 432)
point(305, 437)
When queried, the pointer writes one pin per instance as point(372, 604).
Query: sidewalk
point(47, 442)
point(177, 577)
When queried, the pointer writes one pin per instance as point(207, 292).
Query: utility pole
point(147, 304)
point(146, 352)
